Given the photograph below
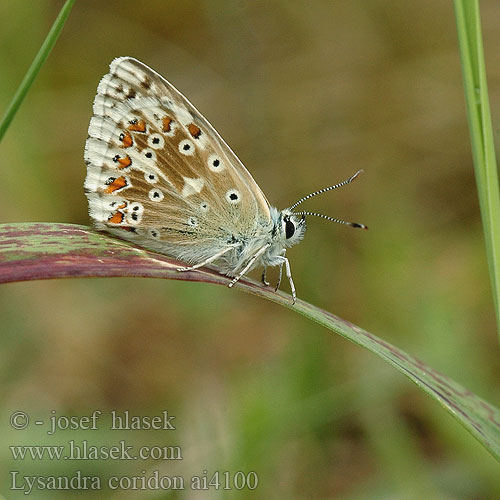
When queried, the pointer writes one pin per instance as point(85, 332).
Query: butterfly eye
point(215, 163)
point(289, 229)
point(156, 195)
point(151, 178)
point(149, 154)
point(186, 147)
point(233, 196)
point(156, 141)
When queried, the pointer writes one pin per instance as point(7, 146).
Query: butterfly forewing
point(159, 174)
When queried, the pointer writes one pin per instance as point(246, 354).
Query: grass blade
point(481, 132)
point(35, 67)
point(33, 251)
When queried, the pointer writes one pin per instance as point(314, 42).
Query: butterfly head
point(290, 227)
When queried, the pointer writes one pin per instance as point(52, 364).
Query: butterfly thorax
point(282, 231)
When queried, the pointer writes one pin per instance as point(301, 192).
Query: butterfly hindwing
point(159, 174)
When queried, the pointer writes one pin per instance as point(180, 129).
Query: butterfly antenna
point(332, 219)
point(324, 190)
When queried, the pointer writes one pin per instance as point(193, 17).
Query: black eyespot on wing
point(289, 229)
point(233, 196)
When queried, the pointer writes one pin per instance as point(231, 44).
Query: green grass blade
point(35, 67)
point(33, 251)
point(481, 132)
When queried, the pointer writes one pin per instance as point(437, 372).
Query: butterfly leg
point(289, 276)
point(255, 256)
point(264, 281)
point(279, 278)
point(209, 260)
point(281, 271)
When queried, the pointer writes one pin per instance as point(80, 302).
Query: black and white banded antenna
point(324, 190)
point(333, 219)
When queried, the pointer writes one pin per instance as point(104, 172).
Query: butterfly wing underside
point(159, 174)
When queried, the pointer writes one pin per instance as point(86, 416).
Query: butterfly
point(159, 175)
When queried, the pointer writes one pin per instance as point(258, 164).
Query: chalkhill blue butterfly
point(159, 175)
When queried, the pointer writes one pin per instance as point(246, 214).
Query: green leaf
point(35, 67)
point(481, 132)
point(41, 251)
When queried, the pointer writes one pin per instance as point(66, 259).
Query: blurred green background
point(306, 93)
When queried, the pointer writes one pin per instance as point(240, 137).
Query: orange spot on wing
point(124, 162)
point(126, 139)
point(138, 126)
point(194, 130)
point(167, 123)
point(118, 183)
point(116, 218)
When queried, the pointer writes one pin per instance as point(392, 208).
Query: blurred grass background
point(306, 93)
